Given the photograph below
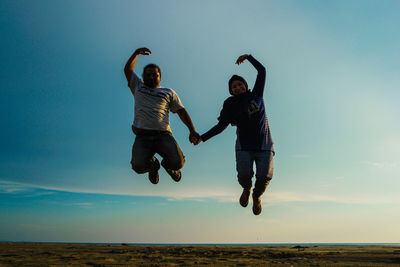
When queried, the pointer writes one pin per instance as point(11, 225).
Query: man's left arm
point(194, 137)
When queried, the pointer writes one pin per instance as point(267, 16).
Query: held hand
point(143, 51)
point(194, 138)
point(241, 59)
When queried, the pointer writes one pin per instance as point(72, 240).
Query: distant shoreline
point(39, 254)
point(219, 244)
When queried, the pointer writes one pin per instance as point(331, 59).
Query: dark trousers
point(264, 169)
point(164, 144)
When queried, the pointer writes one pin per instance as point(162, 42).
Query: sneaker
point(244, 198)
point(256, 205)
point(153, 174)
point(176, 175)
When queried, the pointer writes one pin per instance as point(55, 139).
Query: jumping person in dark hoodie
point(245, 109)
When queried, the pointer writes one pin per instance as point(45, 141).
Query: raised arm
point(130, 64)
point(194, 137)
point(259, 85)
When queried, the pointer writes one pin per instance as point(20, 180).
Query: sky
point(331, 95)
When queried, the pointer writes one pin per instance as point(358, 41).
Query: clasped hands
point(194, 138)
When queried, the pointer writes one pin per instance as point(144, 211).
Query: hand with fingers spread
point(143, 51)
point(241, 59)
point(130, 64)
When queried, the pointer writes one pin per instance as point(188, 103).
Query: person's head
point(237, 85)
point(151, 75)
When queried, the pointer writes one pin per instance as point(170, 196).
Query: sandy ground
point(31, 254)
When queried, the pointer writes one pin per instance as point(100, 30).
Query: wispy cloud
point(300, 156)
point(268, 220)
point(327, 185)
point(225, 195)
point(111, 202)
point(12, 188)
point(50, 227)
point(40, 227)
point(381, 165)
point(199, 195)
point(279, 197)
point(21, 189)
point(83, 205)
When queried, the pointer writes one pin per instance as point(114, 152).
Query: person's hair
point(234, 78)
point(151, 66)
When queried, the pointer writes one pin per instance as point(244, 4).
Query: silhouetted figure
point(151, 122)
point(245, 109)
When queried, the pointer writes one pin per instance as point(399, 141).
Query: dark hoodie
point(247, 112)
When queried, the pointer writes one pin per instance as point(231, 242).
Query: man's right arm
point(130, 64)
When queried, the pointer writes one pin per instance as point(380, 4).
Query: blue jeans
point(164, 144)
point(264, 169)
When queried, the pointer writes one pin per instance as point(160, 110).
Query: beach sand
point(41, 254)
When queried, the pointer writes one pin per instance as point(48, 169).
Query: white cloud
point(327, 185)
point(300, 156)
point(381, 165)
point(279, 197)
point(231, 196)
point(83, 205)
point(40, 227)
point(12, 188)
point(262, 220)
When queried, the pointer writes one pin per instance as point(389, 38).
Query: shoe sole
point(175, 175)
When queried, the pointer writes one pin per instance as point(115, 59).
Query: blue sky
point(331, 95)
